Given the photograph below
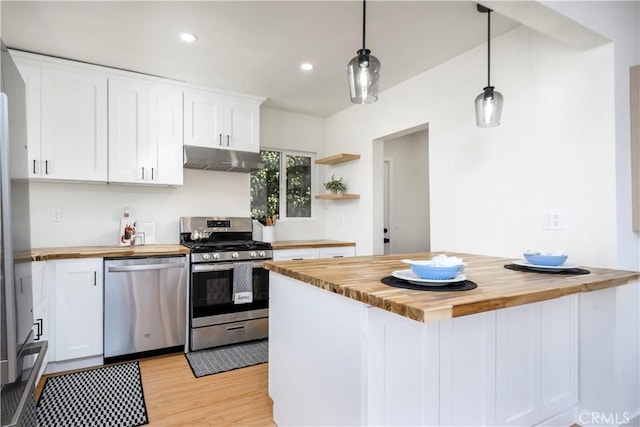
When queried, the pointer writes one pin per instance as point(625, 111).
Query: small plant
point(335, 185)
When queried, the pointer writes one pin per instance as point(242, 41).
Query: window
point(284, 186)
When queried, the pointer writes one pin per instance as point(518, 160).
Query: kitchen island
point(519, 349)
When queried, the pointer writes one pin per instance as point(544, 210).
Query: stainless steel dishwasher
point(144, 306)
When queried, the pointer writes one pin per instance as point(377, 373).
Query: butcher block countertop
point(298, 244)
point(358, 278)
point(44, 254)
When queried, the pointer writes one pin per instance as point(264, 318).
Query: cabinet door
point(127, 131)
point(14, 85)
point(78, 308)
point(295, 254)
point(242, 125)
point(164, 151)
point(339, 252)
point(518, 365)
point(74, 125)
point(41, 332)
point(203, 120)
point(559, 355)
point(536, 361)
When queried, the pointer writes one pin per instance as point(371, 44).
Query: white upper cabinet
point(66, 121)
point(97, 124)
point(74, 125)
point(145, 132)
point(221, 121)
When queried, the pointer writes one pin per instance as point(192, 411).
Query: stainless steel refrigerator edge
point(21, 357)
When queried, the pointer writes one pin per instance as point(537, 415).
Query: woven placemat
point(566, 271)
point(465, 285)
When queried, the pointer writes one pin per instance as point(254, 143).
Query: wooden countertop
point(43, 254)
point(358, 278)
point(298, 244)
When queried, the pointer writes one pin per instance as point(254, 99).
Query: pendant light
point(363, 71)
point(489, 102)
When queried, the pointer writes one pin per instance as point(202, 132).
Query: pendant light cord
point(489, 48)
point(364, 20)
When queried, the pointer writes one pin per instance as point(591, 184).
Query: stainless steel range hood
point(215, 159)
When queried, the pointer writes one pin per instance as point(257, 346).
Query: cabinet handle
point(338, 256)
point(234, 328)
point(46, 167)
point(297, 259)
point(39, 329)
point(227, 140)
point(220, 138)
point(34, 166)
point(143, 173)
point(95, 278)
point(21, 291)
point(152, 174)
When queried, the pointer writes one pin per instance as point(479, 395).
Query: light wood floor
point(174, 397)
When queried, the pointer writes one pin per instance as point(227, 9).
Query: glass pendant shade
point(488, 108)
point(363, 72)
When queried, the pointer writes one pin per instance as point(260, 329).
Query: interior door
point(387, 203)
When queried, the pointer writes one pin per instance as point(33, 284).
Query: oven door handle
point(144, 267)
point(202, 268)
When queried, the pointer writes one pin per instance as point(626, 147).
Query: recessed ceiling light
point(187, 37)
point(306, 66)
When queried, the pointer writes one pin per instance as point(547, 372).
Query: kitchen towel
point(242, 282)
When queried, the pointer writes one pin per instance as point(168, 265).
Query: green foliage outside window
point(266, 185)
point(298, 186)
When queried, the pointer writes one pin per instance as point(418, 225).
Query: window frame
point(282, 200)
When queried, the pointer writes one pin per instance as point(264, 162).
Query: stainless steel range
point(229, 289)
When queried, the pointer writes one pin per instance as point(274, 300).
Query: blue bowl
point(430, 272)
point(546, 260)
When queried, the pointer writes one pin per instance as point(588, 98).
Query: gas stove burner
point(208, 246)
point(229, 239)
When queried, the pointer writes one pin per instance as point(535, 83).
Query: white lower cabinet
point(78, 308)
point(537, 361)
point(313, 253)
point(41, 323)
point(339, 252)
point(295, 254)
point(514, 366)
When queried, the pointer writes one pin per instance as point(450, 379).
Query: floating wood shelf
point(338, 196)
point(337, 158)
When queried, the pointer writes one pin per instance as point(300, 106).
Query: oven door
point(212, 291)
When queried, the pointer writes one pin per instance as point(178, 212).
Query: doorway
point(405, 192)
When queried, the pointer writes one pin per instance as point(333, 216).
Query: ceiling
point(254, 47)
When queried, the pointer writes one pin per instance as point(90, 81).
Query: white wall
point(91, 212)
point(489, 186)
point(409, 192)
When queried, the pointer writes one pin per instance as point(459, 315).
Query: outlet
point(56, 215)
point(553, 219)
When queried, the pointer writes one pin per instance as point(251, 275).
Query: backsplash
point(90, 213)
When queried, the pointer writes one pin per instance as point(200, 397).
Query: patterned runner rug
point(107, 396)
point(221, 359)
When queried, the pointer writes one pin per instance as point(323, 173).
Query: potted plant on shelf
point(335, 185)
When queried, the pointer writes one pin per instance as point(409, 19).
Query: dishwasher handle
point(143, 267)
